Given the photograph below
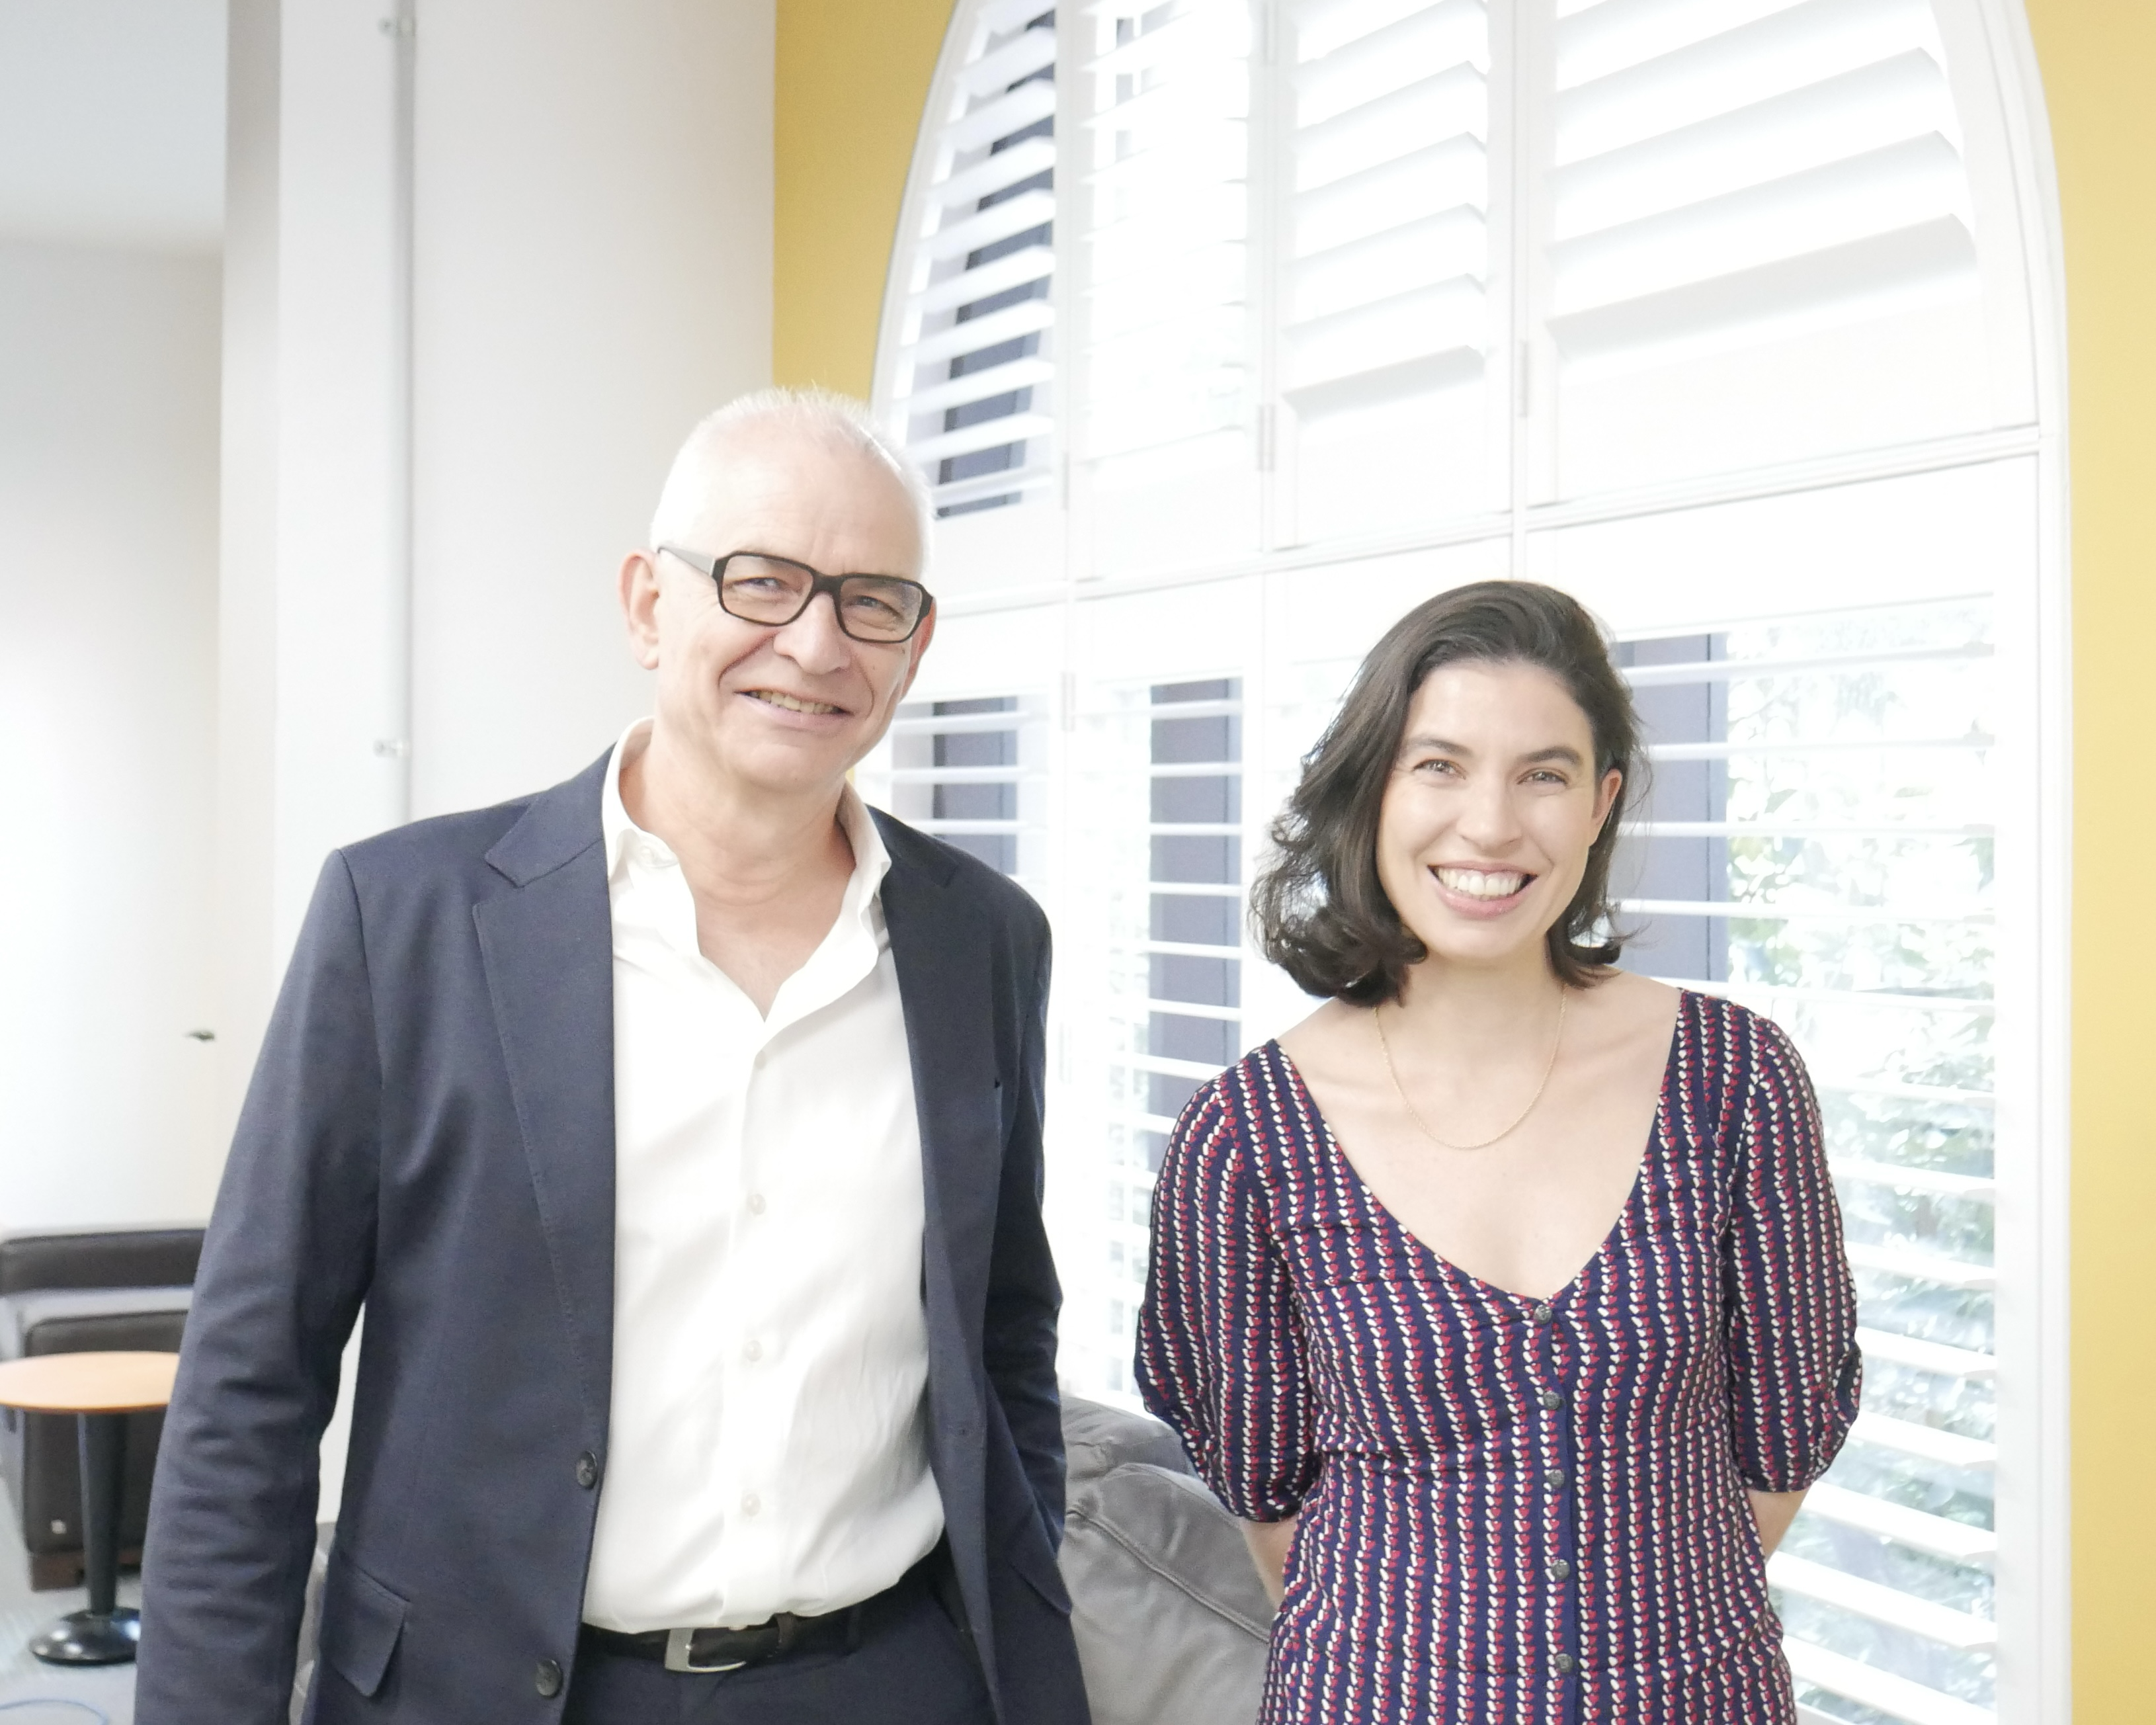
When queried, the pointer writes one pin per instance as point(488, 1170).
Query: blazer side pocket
point(362, 1621)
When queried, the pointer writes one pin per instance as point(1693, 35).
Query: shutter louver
point(973, 389)
point(1387, 250)
point(1729, 173)
point(954, 769)
point(1166, 261)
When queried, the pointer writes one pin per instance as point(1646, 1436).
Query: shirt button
point(1552, 1399)
point(753, 1350)
point(751, 1503)
point(1542, 1314)
point(588, 1469)
point(756, 1204)
point(547, 1679)
point(1560, 1570)
point(1565, 1664)
point(762, 1058)
point(1554, 1478)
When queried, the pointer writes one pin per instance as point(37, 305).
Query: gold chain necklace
point(1377, 1017)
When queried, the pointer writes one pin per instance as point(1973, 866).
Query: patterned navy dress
point(1514, 1511)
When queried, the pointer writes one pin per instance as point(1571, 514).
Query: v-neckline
point(1445, 1265)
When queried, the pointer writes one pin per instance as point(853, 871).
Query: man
point(679, 1129)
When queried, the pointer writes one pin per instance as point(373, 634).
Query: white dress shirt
point(769, 1443)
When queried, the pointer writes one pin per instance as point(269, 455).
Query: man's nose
point(813, 640)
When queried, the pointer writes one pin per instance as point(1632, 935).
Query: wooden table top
point(88, 1382)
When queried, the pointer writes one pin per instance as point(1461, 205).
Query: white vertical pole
point(394, 745)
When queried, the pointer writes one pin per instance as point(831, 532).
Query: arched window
point(1736, 319)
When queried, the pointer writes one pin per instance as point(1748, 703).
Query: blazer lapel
point(943, 968)
point(548, 949)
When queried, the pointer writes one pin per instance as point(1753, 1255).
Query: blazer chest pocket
point(362, 1623)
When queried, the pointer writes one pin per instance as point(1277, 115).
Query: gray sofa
point(1171, 1621)
point(118, 1289)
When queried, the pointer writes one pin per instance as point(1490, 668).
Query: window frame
point(1035, 560)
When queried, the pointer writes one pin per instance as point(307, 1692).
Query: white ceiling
point(112, 122)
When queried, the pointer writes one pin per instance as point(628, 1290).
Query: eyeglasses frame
point(818, 584)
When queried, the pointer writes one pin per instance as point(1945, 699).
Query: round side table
point(101, 1390)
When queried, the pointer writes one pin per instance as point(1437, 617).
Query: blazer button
point(547, 1679)
point(588, 1469)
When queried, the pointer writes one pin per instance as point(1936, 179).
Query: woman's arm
point(1774, 1511)
point(1789, 1302)
point(1269, 1543)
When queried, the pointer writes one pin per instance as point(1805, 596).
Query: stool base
point(90, 1638)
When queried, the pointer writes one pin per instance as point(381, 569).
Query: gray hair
point(834, 420)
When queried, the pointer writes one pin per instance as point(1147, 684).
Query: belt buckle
point(678, 1656)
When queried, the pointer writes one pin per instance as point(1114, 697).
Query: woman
point(1516, 1411)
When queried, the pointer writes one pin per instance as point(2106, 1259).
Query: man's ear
point(638, 588)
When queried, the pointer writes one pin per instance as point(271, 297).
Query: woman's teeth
point(1476, 883)
point(793, 704)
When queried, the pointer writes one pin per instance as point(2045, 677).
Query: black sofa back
point(113, 1258)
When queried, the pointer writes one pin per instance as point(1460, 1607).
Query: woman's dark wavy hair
point(1317, 909)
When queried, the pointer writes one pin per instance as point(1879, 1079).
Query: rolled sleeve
point(1220, 1356)
point(1794, 1370)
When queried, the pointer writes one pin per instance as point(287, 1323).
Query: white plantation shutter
point(969, 771)
point(1819, 843)
point(970, 386)
point(1387, 243)
point(1385, 324)
point(1164, 345)
point(1166, 150)
point(1721, 177)
point(1716, 313)
point(1752, 201)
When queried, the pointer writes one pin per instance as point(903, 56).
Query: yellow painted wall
point(852, 77)
point(2099, 64)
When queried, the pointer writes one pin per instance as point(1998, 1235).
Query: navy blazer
point(429, 1134)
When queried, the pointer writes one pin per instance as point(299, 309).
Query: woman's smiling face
point(1491, 808)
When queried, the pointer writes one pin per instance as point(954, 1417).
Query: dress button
point(588, 1469)
point(1542, 1314)
point(1554, 1478)
point(1565, 1664)
point(751, 1503)
point(756, 1204)
point(547, 1679)
point(1552, 1399)
point(1560, 1570)
point(753, 1350)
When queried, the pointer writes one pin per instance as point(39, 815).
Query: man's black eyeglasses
point(758, 588)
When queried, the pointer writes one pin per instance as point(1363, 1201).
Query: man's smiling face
point(787, 710)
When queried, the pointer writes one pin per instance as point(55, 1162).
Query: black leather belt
point(732, 1650)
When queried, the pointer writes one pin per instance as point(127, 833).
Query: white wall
point(593, 260)
point(592, 256)
point(592, 248)
point(108, 573)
